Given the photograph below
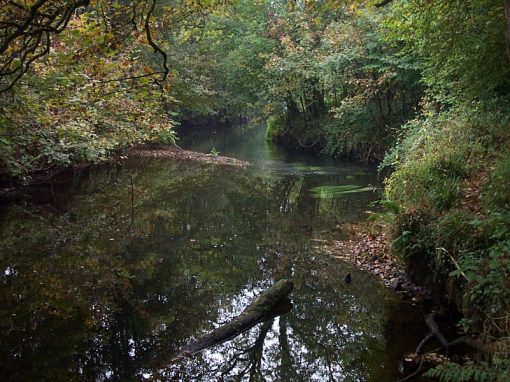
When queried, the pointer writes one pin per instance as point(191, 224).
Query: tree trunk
point(262, 308)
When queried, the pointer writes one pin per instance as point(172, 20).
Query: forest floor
point(173, 151)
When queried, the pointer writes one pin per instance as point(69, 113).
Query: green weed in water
point(325, 192)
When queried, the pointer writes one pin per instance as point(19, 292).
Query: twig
point(435, 332)
point(420, 346)
point(412, 375)
point(455, 262)
point(154, 46)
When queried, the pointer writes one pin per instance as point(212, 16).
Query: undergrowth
point(449, 214)
point(352, 136)
point(471, 372)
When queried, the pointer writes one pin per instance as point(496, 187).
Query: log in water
point(262, 308)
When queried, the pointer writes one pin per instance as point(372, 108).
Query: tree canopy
point(420, 86)
point(335, 76)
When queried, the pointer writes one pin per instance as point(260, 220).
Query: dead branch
point(262, 308)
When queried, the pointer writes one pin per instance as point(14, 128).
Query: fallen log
point(266, 306)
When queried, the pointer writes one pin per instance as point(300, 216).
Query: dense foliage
point(337, 77)
point(428, 79)
point(341, 87)
point(96, 81)
point(448, 193)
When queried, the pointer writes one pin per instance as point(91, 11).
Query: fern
point(453, 372)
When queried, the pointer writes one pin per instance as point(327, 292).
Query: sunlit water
point(107, 273)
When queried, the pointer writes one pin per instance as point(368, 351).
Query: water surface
point(107, 273)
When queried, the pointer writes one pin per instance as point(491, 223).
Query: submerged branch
point(262, 308)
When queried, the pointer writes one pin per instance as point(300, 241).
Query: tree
point(82, 79)
point(457, 41)
point(336, 83)
point(28, 30)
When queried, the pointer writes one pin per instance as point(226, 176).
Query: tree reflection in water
point(82, 297)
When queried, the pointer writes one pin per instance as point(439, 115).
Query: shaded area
point(102, 280)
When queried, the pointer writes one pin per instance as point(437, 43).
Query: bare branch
point(154, 46)
point(26, 35)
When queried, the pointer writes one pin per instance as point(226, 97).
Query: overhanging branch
point(25, 34)
point(154, 46)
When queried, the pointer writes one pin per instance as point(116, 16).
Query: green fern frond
point(470, 372)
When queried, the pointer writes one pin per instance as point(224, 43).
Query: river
point(107, 272)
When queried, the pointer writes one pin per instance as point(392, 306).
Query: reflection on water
point(95, 287)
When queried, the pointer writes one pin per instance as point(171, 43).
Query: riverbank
point(12, 188)
point(371, 253)
point(175, 152)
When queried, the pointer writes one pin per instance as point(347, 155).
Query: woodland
point(419, 87)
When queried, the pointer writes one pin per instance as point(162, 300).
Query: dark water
point(110, 271)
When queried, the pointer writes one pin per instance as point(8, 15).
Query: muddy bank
point(175, 152)
point(372, 254)
point(442, 341)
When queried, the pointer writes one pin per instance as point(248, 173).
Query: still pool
point(107, 272)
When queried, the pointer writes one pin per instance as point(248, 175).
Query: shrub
point(275, 127)
point(453, 372)
point(434, 155)
point(463, 243)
